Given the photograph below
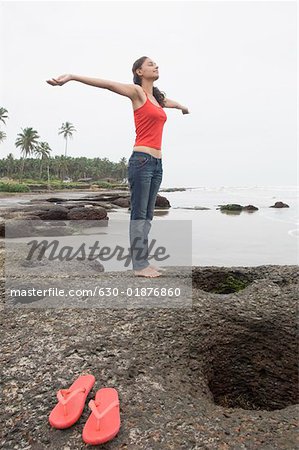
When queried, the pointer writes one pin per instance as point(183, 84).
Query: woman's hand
point(185, 110)
point(59, 81)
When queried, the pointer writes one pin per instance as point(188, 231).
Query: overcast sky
point(233, 64)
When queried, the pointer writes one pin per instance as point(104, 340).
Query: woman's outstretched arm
point(128, 90)
point(173, 104)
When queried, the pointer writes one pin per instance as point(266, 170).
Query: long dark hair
point(159, 95)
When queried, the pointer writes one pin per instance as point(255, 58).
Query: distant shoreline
point(4, 194)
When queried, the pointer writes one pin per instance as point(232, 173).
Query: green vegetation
point(229, 285)
point(29, 185)
point(13, 187)
point(36, 168)
point(64, 173)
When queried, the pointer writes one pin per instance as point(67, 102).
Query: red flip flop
point(104, 422)
point(71, 402)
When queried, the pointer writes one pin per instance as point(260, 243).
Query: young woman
point(145, 163)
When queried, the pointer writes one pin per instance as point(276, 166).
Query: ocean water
point(266, 236)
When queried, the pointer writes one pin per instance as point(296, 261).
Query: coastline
point(219, 238)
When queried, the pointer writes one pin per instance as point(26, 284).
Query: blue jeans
point(144, 177)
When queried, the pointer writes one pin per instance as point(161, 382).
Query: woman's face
point(148, 70)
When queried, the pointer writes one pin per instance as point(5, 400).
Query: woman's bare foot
point(147, 272)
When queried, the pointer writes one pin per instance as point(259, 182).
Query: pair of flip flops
point(104, 421)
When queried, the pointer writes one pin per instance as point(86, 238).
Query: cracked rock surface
point(221, 374)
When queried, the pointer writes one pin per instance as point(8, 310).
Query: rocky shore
point(65, 212)
point(217, 370)
point(38, 210)
point(220, 373)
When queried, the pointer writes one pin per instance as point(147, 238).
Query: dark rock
point(56, 199)
point(234, 207)
point(250, 208)
point(54, 213)
point(121, 201)
point(230, 207)
point(279, 205)
point(85, 213)
point(162, 202)
point(107, 200)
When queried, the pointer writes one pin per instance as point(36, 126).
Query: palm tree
point(43, 151)
point(123, 168)
point(67, 130)
point(28, 142)
point(2, 136)
point(10, 164)
point(61, 166)
point(3, 114)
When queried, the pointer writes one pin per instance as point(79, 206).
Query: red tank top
point(149, 121)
